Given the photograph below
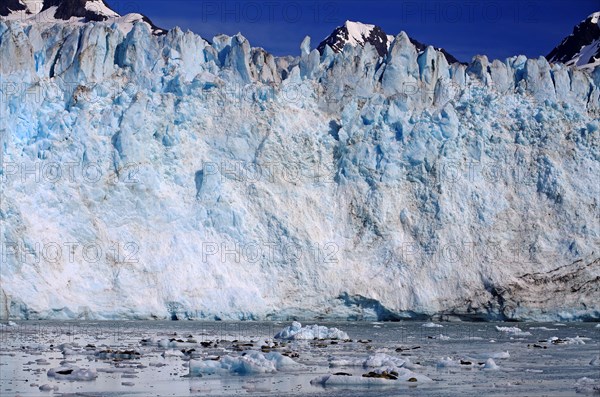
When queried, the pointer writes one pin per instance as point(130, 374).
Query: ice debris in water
point(490, 365)
point(297, 332)
point(248, 363)
point(513, 330)
point(373, 361)
point(71, 372)
point(432, 325)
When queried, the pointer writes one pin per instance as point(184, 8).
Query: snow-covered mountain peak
point(71, 11)
point(582, 47)
point(359, 34)
point(356, 34)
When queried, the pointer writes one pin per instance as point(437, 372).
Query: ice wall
point(167, 177)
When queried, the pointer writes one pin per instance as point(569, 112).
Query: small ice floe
point(297, 332)
point(597, 326)
point(447, 362)
point(486, 355)
point(432, 325)
point(587, 386)
point(567, 341)
point(127, 384)
point(535, 371)
point(172, 353)
point(72, 372)
point(559, 325)
point(248, 363)
point(47, 387)
point(176, 343)
point(513, 330)
point(377, 377)
point(373, 361)
point(595, 361)
point(490, 365)
point(544, 328)
point(118, 370)
point(439, 337)
point(122, 354)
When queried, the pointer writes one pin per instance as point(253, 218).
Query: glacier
point(165, 176)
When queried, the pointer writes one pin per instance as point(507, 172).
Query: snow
point(99, 7)
point(297, 332)
point(357, 32)
point(393, 191)
point(123, 23)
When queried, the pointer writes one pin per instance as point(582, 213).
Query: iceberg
point(297, 332)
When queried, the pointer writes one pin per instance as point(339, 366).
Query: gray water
point(529, 371)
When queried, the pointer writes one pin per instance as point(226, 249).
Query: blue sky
point(465, 28)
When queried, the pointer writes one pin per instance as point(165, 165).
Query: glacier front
point(148, 176)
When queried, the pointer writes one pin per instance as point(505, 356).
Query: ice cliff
point(163, 176)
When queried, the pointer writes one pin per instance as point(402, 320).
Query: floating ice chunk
point(172, 353)
point(122, 354)
point(490, 365)
point(597, 326)
point(446, 362)
point(595, 361)
point(484, 356)
point(298, 332)
point(401, 374)
point(250, 362)
point(587, 386)
point(72, 373)
point(47, 387)
point(349, 380)
point(383, 360)
point(432, 325)
point(12, 324)
point(373, 361)
point(513, 330)
point(567, 341)
point(118, 370)
point(544, 328)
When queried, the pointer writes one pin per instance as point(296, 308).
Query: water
point(529, 371)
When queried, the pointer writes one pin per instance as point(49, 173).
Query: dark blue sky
point(465, 28)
